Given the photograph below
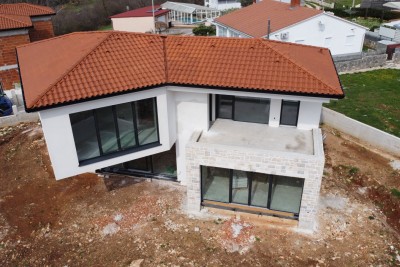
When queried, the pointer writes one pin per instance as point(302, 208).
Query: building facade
point(232, 141)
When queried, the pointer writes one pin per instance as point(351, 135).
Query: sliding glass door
point(280, 193)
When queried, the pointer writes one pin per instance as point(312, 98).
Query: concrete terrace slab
point(259, 136)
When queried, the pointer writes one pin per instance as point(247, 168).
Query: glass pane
point(240, 187)
point(251, 109)
point(85, 137)
point(259, 190)
point(286, 193)
point(225, 103)
point(125, 125)
point(146, 121)
point(140, 164)
point(289, 114)
point(165, 162)
point(108, 135)
point(215, 183)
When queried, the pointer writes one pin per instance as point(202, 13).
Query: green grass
point(105, 28)
point(373, 98)
point(367, 22)
point(395, 192)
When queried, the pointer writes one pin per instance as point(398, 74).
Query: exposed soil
point(90, 221)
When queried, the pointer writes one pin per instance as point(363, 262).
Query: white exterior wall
point(192, 113)
point(222, 5)
point(309, 32)
point(60, 141)
point(309, 115)
point(135, 24)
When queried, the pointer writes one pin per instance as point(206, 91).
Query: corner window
point(108, 131)
point(289, 112)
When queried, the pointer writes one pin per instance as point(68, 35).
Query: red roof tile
point(8, 22)
point(142, 12)
point(253, 20)
point(24, 9)
point(82, 66)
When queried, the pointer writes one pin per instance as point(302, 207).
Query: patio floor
point(260, 136)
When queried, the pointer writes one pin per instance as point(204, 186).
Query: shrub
point(203, 30)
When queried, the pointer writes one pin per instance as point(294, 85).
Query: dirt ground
point(121, 221)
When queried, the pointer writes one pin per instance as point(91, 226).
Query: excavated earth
point(122, 221)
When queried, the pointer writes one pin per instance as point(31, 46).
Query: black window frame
point(250, 181)
point(297, 117)
point(121, 151)
point(233, 117)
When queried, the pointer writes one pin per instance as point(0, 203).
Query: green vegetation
point(341, 3)
point(373, 98)
point(367, 22)
point(245, 3)
point(395, 192)
point(106, 28)
point(203, 30)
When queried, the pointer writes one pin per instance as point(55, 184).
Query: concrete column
point(275, 112)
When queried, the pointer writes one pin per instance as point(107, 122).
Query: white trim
point(8, 67)
point(232, 29)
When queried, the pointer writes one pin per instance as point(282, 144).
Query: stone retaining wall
point(309, 167)
point(363, 63)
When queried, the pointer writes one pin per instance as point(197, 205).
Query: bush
point(203, 30)
point(245, 3)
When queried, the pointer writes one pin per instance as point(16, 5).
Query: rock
point(136, 263)
point(110, 229)
point(196, 229)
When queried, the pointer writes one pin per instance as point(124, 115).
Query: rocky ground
point(121, 221)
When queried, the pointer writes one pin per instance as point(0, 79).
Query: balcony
point(260, 137)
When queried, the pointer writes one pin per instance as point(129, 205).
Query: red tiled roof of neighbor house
point(24, 9)
point(83, 66)
point(253, 20)
point(8, 22)
point(142, 12)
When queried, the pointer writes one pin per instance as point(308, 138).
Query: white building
point(141, 20)
point(222, 4)
point(241, 133)
point(295, 24)
point(185, 13)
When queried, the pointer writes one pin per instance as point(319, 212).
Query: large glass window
point(290, 112)
point(247, 109)
point(146, 121)
point(112, 129)
point(251, 109)
point(216, 184)
point(286, 193)
point(272, 192)
point(84, 131)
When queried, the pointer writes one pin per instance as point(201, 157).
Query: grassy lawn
point(373, 98)
point(105, 28)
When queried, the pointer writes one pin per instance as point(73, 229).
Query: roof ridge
point(301, 66)
point(14, 19)
point(36, 101)
point(43, 8)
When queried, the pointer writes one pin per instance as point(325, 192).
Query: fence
point(371, 135)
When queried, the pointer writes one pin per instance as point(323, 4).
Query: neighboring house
point(20, 24)
point(141, 20)
point(235, 120)
point(295, 24)
point(390, 31)
point(222, 4)
point(185, 13)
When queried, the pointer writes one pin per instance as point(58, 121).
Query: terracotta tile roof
point(24, 9)
point(142, 12)
point(8, 22)
point(253, 20)
point(83, 66)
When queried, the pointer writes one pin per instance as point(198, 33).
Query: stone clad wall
point(362, 63)
point(309, 167)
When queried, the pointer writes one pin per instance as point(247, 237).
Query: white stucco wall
point(60, 141)
point(309, 32)
point(192, 113)
point(309, 115)
point(136, 24)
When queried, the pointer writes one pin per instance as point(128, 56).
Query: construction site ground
point(121, 221)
